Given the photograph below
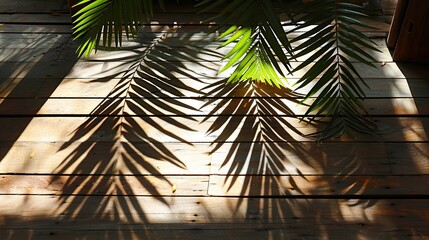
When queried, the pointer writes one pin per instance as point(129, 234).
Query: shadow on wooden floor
point(130, 173)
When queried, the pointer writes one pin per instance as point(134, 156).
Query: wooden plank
point(279, 106)
point(242, 129)
point(130, 50)
point(328, 158)
point(109, 69)
point(100, 129)
point(385, 87)
point(191, 106)
point(298, 231)
point(219, 185)
point(186, 69)
point(190, 129)
point(42, 28)
point(29, 70)
point(389, 6)
point(32, 41)
point(147, 107)
point(188, 87)
point(25, 55)
point(41, 18)
point(114, 210)
point(32, 6)
point(72, 88)
point(14, 36)
point(28, 88)
point(74, 157)
point(233, 185)
point(104, 185)
point(33, 47)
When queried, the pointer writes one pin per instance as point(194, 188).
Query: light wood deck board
point(42, 28)
point(189, 129)
point(182, 69)
point(329, 158)
point(218, 185)
point(41, 153)
point(232, 185)
point(200, 232)
point(79, 88)
point(172, 209)
point(104, 185)
point(79, 157)
point(204, 45)
point(43, 18)
point(193, 106)
point(336, 158)
point(31, 6)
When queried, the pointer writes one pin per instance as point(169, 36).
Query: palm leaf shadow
point(256, 126)
point(121, 143)
point(267, 165)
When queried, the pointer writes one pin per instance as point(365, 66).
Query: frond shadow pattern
point(117, 141)
point(253, 122)
point(275, 175)
point(331, 44)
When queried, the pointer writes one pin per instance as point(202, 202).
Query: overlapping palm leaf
point(257, 39)
point(105, 21)
point(331, 45)
point(259, 49)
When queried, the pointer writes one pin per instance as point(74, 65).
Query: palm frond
point(260, 49)
point(331, 45)
point(105, 21)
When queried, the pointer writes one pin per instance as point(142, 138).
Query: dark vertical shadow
point(35, 79)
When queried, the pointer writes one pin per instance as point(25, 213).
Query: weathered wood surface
point(32, 6)
point(220, 185)
point(189, 129)
point(330, 158)
point(194, 106)
point(216, 210)
point(181, 155)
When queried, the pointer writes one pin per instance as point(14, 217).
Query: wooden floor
point(120, 147)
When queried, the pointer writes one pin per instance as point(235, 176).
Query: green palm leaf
point(105, 21)
point(260, 48)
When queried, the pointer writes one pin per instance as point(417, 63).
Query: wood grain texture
point(217, 185)
point(187, 69)
point(385, 213)
point(213, 232)
point(107, 185)
point(32, 6)
point(232, 185)
point(329, 158)
point(42, 28)
point(189, 129)
point(78, 157)
point(181, 155)
point(193, 106)
point(88, 88)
